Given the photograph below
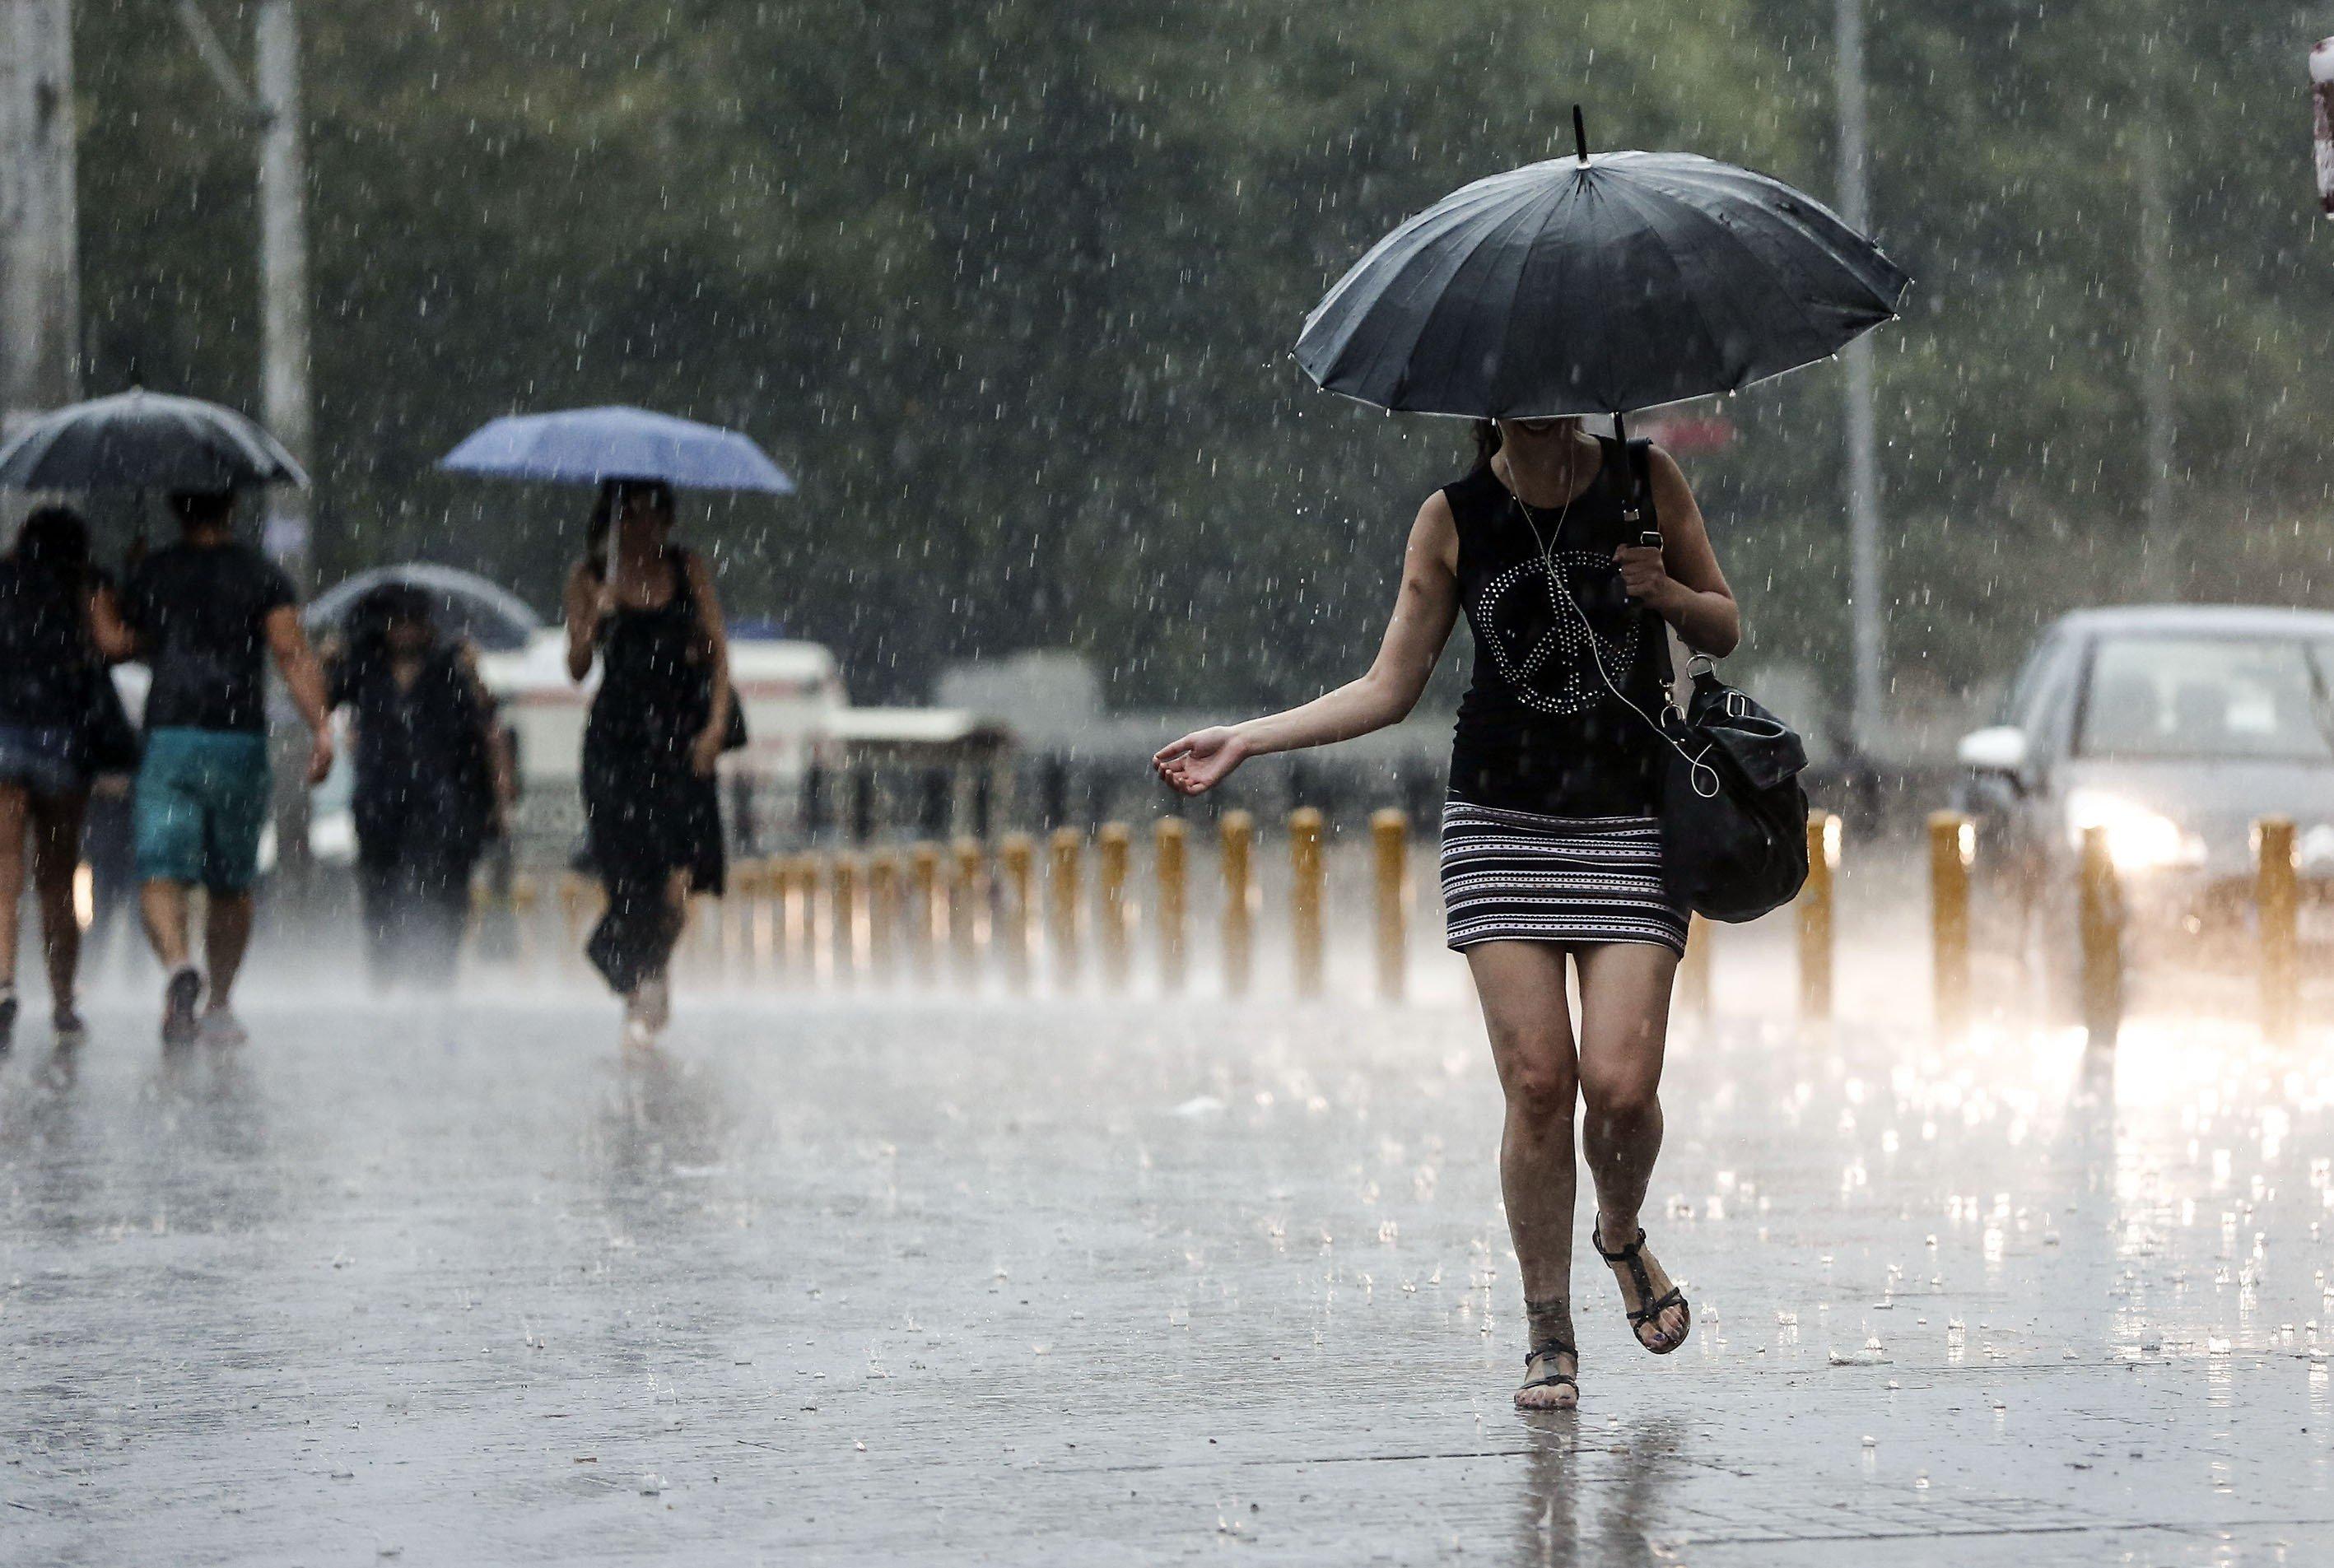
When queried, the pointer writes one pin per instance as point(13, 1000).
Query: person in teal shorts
point(205, 613)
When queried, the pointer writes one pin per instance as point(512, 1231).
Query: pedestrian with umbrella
point(647, 610)
point(1593, 284)
point(205, 614)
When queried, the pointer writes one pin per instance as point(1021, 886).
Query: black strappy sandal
point(1651, 1314)
point(1551, 1350)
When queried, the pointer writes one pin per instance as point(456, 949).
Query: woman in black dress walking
point(1550, 844)
point(659, 724)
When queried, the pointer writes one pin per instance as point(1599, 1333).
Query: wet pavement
point(914, 1279)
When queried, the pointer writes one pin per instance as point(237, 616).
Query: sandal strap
point(1619, 1254)
point(1549, 1348)
point(1550, 1379)
point(1643, 1316)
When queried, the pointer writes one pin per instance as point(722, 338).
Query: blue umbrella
point(587, 445)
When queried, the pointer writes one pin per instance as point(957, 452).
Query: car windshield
point(2208, 697)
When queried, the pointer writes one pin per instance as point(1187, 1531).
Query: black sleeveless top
point(656, 681)
point(1539, 730)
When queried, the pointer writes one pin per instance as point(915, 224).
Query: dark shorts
point(201, 806)
point(41, 759)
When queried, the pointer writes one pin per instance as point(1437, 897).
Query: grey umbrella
point(1596, 284)
point(140, 441)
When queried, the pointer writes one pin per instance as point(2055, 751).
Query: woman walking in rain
point(659, 724)
point(1551, 847)
point(430, 780)
point(53, 607)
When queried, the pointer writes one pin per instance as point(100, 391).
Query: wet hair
point(371, 616)
point(52, 546)
point(203, 508)
point(54, 539)
point(614, 494)
point(1486, 440)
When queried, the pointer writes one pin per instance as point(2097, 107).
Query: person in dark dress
point(50, 598)
point(1551, 847)
point(648, 610)
point(429, 784)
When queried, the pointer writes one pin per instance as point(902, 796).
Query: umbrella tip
point(1579, 133)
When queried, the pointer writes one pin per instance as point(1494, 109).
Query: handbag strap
point(1636, 504)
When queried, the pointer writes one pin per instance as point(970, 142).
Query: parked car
point(2175, 728)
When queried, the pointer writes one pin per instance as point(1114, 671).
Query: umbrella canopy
point(140, 441)
point(1598, 284)
point(467, 605)
point(587, 445)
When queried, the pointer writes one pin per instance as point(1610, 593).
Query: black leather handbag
point(1734, 820)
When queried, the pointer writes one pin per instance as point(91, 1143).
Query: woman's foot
point(1658, 1312)
point(1551, 1379)
point(8, 1005)
point(222, 1027)
point(64, 1019)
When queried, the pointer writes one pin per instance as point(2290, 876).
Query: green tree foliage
point(1011, 288)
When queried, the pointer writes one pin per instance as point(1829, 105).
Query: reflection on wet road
point(1067, 1281)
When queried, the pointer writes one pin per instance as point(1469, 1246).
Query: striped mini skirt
point(1521, 877)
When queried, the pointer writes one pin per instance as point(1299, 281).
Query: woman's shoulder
point(1473, 494)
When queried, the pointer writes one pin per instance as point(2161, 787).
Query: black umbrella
point(140, 441)
point(1595, 285)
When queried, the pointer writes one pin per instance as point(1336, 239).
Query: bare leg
point(56, 856)
point(13, 809)
point(226, 933)
point(1521, 987)
point(1625, 1010)
point(164, 906)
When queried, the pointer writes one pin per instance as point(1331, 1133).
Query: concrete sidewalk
point(1071, 1281)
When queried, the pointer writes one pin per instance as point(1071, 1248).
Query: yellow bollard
point(1953, 845)
point(883, 913)
point(577, 912)
point(1064, 850)
point(1693, 968)
point(1014, 860)
point(523, 902)
point(2100, 931)
point(2278, 899)
point(1305, 895)
point(1390, 853)
point(846, 922)
point(1238, 834)
point(1170, 842)
point(967, 911)
point(1113, 848)
point(1816, 916)
point(797, 964)
point(927, 909)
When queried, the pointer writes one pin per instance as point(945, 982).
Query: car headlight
point(2139, 839)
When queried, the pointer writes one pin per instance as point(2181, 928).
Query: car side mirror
point(2001, 748)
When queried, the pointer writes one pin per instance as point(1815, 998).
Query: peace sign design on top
point(1540, 644)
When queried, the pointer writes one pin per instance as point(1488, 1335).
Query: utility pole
point(284, 276)
point(1867, 650)
point(2159, 409)
point(40, 261)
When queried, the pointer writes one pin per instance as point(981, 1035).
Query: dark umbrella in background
point(140, 441)
point(1598, 284)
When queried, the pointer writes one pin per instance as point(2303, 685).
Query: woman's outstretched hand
point(1201, 760)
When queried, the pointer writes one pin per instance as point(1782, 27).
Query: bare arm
point(115, 641)
point(587, 601)
point(1682, 582)
point(304, 678)
point(1425, 609)
point(716, 630)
